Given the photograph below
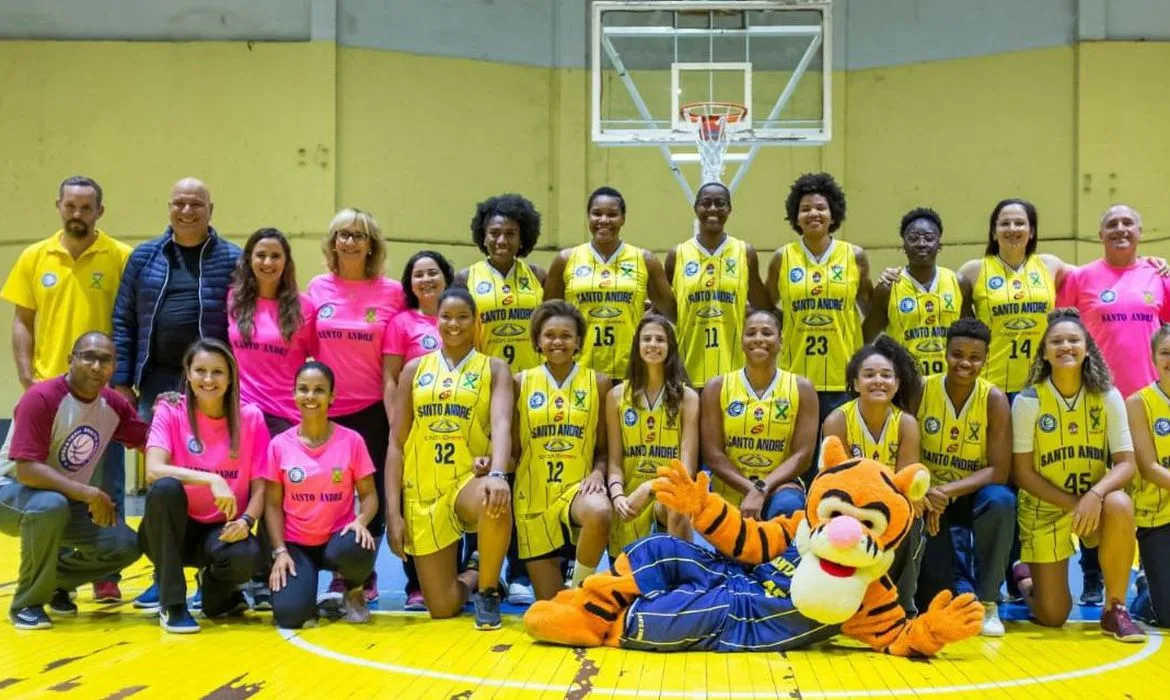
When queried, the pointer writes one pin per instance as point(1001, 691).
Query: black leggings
point(296, 603)
point(1153, 544)
point(173, 540)
point(371, 423)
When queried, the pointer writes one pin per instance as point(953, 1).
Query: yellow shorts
point(434, 525)
point(1046, 534)
point(542, 533)
point(622, 533)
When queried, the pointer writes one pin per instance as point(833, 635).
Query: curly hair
point(921, 213)
point(367, 224)
point(969, 327)
point(1095, 374)
point(1033, 224)
point(676, 379)
point(510, 206)
point(555, 308)
point(246, 290)
point(816, 183)
point(408, 270)
point(606, 191)
point(905, 370)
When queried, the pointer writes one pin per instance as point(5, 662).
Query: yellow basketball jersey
point(1070, 443)
point(861, 443)
point(505, 304)
point(650, 438)
point(920, 316)
point(452, 423)
point(1014, 305)
point(757, 430)
point(558, 429)
point(1151, 505)
point(822, 326)
point(612, 296)
point(954, 443)
point(711, 293)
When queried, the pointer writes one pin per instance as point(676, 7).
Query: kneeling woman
point(651, 419)
point(312, 472)
point(202, 466)
point(759, 426)
point(1073, 457)
point(878, 423)
point(559, 445)
point(452, 414)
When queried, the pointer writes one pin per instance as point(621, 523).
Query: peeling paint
point(125, 692)
point(66, 685)
point(5, 682)
point(582, 684)
point(231, 691)
point(65, 660)
point(501, 647)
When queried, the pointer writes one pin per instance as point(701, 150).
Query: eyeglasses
point(921, 237)
point(90, 357)
point(355, 236)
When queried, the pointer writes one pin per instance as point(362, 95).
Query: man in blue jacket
point(173, 292)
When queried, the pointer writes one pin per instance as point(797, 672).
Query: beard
point(76, 228)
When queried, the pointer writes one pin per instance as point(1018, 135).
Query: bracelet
point(248, 520)
point(278, 551)
point(498, 474)
point(1099, 496)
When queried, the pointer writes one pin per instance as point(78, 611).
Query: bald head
point(92, 339)
point(190, 208)
point(1120, 231)
point(1120, 210)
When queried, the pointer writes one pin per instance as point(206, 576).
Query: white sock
point(580, 571)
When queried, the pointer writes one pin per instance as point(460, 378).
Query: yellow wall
point(286, 133)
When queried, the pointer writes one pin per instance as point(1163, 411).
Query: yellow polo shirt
point(69, 296)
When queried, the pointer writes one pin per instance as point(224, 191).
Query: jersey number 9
point(510, 353)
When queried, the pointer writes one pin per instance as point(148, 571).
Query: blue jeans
point(971, 550)
point(785, 500)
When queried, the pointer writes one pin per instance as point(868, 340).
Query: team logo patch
point(579, 398)
point(371, 315)
point(1095, 419)
point(948, 301)
point(758, 414)
point(856, 451)
point(1047, 422)
point(995, 282)
point(194, 446)
point(48, 280)
point(1034, 278)
point(426, 379)
point(782, 406)
point(337, 475)
point(524, 283)
point(471, 381)
point(559, 402)
point(906, 305)
point(429, 342)
point(296, 475)
point(536, 400)
point(838, 273)
point(630, 417)
point(973, 430)
point(735, 409)
point(796, 274)
point(1162, 427)
point(691, 269)
point(483, 287)
point(582, 271)
point(79, 448)
point(729, 265)
point(1148, 297)
point(626, 269)
point(1073, 428)
point(95, 280)
point(1108, 296)
point(932, 425)
point(325, 311)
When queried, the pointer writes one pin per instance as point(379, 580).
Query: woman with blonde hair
point(355, 303)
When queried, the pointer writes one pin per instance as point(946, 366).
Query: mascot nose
point(843, 532)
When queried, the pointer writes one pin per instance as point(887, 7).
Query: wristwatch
point(760, 485)
point(498, 474)
point(278, 551)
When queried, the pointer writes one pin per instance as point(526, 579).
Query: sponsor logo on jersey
point(471, 381)
point(1047, 422)
point(796, 274)
point(626, 269)
point(906, 305)
point(691, 269)
point(429, 342)
point(1095, 419)
point(932, 425)
point(1034, 278)
point(326, 311)
point(559, 402)
point(995, 282)
point(1020, 324)
point(508, 330)
point(1073, 428)
point(95, 280)
point(338, 475)
point(371, 315)
point(1108, 296)
point(582, 271)
point(1162, 427)
point(948, 301)
point(729, 266)
point(630, 417)
point(604, 312)
point(709, 312)
point(443, 425)
point(782, 407)
point(817, 320)
point(48, 280)
point(483, 287)
point(838, 272)
point(735, 409)
point(755, 460)
point(426, 379)
point(929, 345)
point(759, 413)
point(194, 446)
point(536, 400)
point(579, 396)
point(558, 445)
point(973, 430)
point(296, 475)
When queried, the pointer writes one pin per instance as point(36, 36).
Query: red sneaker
point(337, 585)
point(106, 592)
point(1116, 622)
point(370, 587)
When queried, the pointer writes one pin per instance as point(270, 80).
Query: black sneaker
point(1093, 592)
point(487, 609)
point(61, 603)
point(31, 618)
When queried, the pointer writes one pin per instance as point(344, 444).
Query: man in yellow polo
point(64, 287)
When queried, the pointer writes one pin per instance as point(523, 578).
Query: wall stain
point(231, 691)
point(66, 685)
point(65, 660)
point(125, 692)
point(582, 684)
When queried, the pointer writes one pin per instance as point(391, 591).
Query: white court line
point(1153, 643)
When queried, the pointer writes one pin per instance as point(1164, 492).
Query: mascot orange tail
point(589, 616)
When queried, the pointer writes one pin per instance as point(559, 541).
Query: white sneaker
point(992, 625)
point(519, 594)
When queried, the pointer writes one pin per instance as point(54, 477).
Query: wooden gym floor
point(113, 651)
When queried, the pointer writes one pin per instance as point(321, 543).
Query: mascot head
point(858, 512)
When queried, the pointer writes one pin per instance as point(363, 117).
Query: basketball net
point(711, 123)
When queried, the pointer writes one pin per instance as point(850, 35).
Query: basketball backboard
point(653, 61)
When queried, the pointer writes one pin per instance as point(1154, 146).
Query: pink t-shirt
point(318, 483)
point(1122, 308)
point(412, 334)
point(211, 453)
point(351, 327)
point(269, 363)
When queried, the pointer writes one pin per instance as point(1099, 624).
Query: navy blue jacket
point(141, 293)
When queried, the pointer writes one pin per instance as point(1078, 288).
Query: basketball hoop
point(711, 122)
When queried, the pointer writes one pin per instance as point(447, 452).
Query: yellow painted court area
point(113, 651)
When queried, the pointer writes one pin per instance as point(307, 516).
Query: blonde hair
point(369, 225)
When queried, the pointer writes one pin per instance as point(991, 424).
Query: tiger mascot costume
point(772, 586)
